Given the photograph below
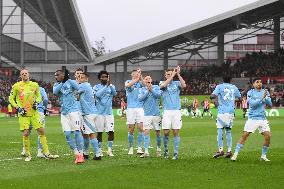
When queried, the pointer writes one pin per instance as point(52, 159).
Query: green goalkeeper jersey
point(24, 95)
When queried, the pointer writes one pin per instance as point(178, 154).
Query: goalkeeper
point(25, 96)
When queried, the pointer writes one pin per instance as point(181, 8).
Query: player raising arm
point(172, 108)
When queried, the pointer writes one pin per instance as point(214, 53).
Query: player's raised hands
point(149, 86)
point(174, 72)
point(108, 80)
point(265, 93)
point(178, 70)
point(138, 75)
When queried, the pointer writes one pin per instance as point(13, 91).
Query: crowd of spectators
point(260, 64)
point(5, 88)
point(202, 80)
point(257, 64)
point(199, 81)
point(277, 96)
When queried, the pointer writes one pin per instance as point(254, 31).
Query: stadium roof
point(64, 15)
point(178, 40)
point(62, 22)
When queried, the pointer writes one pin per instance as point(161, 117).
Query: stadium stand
point(203, 80)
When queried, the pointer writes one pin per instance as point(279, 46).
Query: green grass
point(195, 168)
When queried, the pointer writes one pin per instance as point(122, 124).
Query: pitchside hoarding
point(239, 113)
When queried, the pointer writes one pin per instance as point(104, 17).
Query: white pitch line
point(10, 159)
point(21, 143)
point(117, 145)
point(67, 154)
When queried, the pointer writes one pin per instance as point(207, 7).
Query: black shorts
point(244, 109)
point(206, 110)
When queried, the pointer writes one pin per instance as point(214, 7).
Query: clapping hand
point(35, 105)
point(108, 80)
point(149, 86)
point(264, 94)
point(177, 70)
point(174, 72)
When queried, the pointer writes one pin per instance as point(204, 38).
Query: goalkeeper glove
point(35, 105)
point(21, 111)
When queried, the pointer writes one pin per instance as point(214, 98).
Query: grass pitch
point(195, 167)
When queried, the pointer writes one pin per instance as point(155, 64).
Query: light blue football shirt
point(132, 95)
point(257, 105)
point(151, 100)
point(44, 100)
point(87, 100)
point(78, 101)
point(103, 96)
point(66, 97)
point(170, 96)
point(226, 93)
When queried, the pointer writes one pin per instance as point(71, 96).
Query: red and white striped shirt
point(244, 103)
point(206, 104)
